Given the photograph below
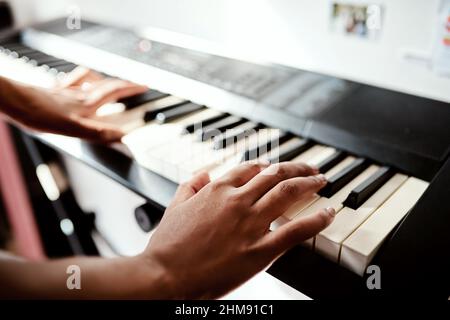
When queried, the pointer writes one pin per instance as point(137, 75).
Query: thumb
point(94, 130)
point(74, 126)
point(77, 77)
point(187, 189)
point(297, 231)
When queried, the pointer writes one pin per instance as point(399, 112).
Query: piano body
point(385, 153)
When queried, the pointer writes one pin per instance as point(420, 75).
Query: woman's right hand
point(215, 235)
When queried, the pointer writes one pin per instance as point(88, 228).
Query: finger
point(76, 127)
point(78, 76)
point(243, 173)
point(108, 91)
point(188, 189)
point(97, 131)
point(286, 193)
point(297, 231)
point(274, 174)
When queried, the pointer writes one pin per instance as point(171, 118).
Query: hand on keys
point(66, 108)
point(215, 235)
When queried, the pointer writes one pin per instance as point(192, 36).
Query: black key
point(366, 189)
point(258, 151)
point(68, 67)
point(12, 46)
point(219, 127)
point(140, 99)
point(46, 60)
point(190, 128)
point(181, 111)
point(340, 179)
point(10, 51)
point(37, 55)
point(292, 151)
point(331, 161)
point(22, 50)
point(234, 135)
point(57, 63)
point(151, 114)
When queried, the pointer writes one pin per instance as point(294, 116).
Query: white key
point(147, 137)
point(275, 152)
point(228, 165)
point(155, 145)
point(293, 211)
point(312, 156)
point(302, 204)
point(204, 161)
point(21, 71)
point(309, 154)
point(329, 241)
point(134, 118)
point(161, 158)
point(187, 150)
point(264, 136)
point(314, 161)
point(361, 246)
point(213, 159)
point(336, 200)
point(299, 206)
point(153, 134)
point(305, 203)
point(109, 110)
point(339, 167)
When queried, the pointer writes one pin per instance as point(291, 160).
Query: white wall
point(293, 32)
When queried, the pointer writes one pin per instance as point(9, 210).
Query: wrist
point(158, 282)
point(10, 96)
point(4, 103)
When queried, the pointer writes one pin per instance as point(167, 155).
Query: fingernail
point(322, 178)
point(315, 169)
point(331, 211)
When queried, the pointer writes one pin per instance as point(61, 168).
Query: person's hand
point(215, 235)
point(66, 108)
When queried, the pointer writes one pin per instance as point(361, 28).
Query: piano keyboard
point(22, 63)
point(177, 138)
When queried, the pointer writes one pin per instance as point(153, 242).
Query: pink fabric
point(16, 200)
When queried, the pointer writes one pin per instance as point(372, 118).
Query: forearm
point(12, 98)
point(118, 278)
point(5, 103)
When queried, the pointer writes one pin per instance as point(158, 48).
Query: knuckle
point(252, 166)
point(281, 171)
point(236, 198)
point(289, 188)
point(238, 180)
point(315, 181)
point(302, 167)
point(216, 185)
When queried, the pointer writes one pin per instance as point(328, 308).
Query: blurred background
point(397, 54)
